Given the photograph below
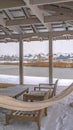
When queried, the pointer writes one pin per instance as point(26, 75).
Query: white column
point(21, 60)
point(50, 59)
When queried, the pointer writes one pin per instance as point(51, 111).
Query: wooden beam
point(60, 33)
point(58, 18)
point(57, 10)
point(34, 29)
point(25, 12)
point(39, 34)
point(10, 17)
point(66, 5)
point(10, 3)
point(35, 20)
point(5, 30)
point(18, 29)
point(35, 39)
point(13, 36)
point(23, 21)
point(8, 14)
point(37, 12)
point(42, 2)
point(2, 22)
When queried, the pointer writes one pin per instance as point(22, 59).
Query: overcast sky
point(65, 46)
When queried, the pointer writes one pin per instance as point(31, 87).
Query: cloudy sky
point(65, 46)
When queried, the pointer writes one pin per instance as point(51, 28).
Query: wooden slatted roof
point(33, 18)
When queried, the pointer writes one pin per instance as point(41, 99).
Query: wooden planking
point(42, 2)
point(10, 3)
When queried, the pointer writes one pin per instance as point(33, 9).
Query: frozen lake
point(60, 73)
point(35, 75)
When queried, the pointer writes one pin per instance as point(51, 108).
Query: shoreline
point(59, 64)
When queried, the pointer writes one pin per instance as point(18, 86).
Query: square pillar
point(50, 59)
point(21, 60)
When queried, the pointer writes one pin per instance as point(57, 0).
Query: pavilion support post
point(50, 59)
point(20, 60)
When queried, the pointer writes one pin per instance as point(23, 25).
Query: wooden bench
point(45, 87)
point(34, 116)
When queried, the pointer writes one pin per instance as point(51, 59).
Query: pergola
point(32, 20)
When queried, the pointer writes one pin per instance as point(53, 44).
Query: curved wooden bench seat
point(14, 104)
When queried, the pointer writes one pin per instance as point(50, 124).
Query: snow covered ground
point(32, 80)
